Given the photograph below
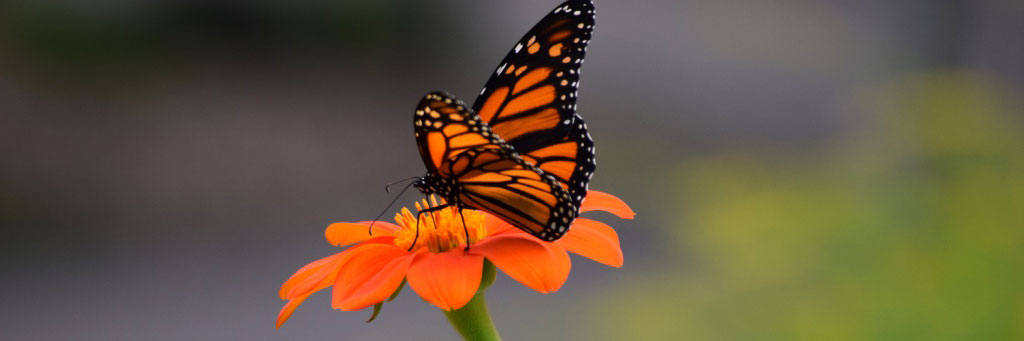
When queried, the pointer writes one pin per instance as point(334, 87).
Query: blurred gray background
point(166, 165)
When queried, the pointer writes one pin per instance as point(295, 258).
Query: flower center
point(440, 230)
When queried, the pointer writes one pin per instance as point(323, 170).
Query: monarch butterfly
point(521, 152)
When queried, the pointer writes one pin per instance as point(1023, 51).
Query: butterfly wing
point(530, 100)
point(487, 173)
point(446, 128)
point(514, 190)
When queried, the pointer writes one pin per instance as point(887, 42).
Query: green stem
point(473, 321)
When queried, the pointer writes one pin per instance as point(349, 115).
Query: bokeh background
point(801, 169)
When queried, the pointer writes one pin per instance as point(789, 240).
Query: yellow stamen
point(440, 230)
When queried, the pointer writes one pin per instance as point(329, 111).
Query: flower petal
point(541, 266)
point(495, 225)
point(447, 280)
point(288, 309)
point(322, 273)
point(594, 240)
point(602, 201)
point(303, 274)
point(369, 276)
point(380, 287)
point(341, 234)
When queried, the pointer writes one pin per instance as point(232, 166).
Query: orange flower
point(437, 267)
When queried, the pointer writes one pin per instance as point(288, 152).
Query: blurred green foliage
point(908, 229)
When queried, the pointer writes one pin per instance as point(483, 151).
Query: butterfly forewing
point(530, 99)
point(445, 128)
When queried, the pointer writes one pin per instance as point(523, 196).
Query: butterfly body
point(521, 152)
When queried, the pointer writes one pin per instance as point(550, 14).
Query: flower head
point(439, 231)
point(436, 265)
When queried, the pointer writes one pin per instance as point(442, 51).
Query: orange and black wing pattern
point(485, 172)
point(446, 128)
point(530, 100)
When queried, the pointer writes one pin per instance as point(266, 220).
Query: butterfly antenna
point(369, 230)
point(387, 188)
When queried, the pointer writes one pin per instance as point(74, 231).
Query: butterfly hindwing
point(530, 99)
point(486, 173)
point(514, 190)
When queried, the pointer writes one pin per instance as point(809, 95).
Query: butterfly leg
point(417, 237)
point(428, 210)
point(464, 227)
